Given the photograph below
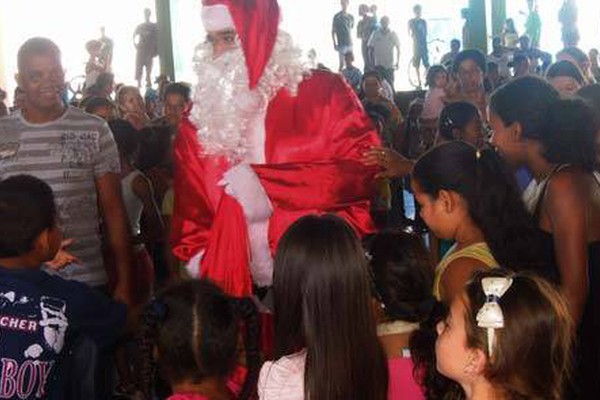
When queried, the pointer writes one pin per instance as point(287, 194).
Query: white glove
point(241, 183)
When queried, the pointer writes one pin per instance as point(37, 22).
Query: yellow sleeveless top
point(478, 251)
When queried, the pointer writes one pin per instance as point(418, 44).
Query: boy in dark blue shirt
point(40, 314)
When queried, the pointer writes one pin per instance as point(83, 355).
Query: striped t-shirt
point(69, 154)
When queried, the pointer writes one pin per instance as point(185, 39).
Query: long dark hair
point(195, 326)
point(322, 302)
point(493, 199)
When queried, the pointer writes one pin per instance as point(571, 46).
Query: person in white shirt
point(381, 47)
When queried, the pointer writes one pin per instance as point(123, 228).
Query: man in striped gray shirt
point(76, 155)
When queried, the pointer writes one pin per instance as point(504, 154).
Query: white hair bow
point(490, 315)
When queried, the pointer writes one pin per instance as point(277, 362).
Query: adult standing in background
point(417, 28)
point(500, 56)
point(567, 16)
point(509, 35)
point(466, 29)
point(381, 47)
point(533, 25)
point(341, 32)
point(106, 53)
point(365, 28)
point(145, 39)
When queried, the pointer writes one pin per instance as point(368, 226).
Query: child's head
point(526, 356)
point(493, 71)
point(459, 186)
point(126, 138)
point(190, 331)
point(520, 65)
point(461, 121)
point(99, 106)
point(321, 294)
point(402, 276)
point(565, 77)
point(129, 100)
point(509, 26)
point(437, 77)
point(371, 84)
point(349, 58)
point(28, 226)
point(93, 47)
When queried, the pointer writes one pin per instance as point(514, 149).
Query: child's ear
point(448, 201)
point(41, 243)
point(516, 132)
point(479, 361)
point(476, 362)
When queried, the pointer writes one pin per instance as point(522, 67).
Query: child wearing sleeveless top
point(470, 196)
point(139, 200)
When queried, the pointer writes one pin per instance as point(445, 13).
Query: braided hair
point(194, 328)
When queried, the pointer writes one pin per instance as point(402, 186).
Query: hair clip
point(490, 315)
point(447, 123)
point(159, 308)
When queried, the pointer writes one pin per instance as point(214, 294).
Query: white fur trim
point(262, 262)
point(193, 266)
point(217, 18)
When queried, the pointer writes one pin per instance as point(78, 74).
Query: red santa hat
point(256, 23)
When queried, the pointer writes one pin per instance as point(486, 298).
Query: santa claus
point(266, 142)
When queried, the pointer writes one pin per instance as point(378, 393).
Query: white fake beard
point(224, 106)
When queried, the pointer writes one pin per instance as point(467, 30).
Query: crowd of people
point(246, 236)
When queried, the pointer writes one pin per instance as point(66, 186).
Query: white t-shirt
point(383, 44)
point(283, 379)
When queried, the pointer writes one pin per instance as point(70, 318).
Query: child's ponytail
point(147, 342)
point(497, 208)
point(245, 309)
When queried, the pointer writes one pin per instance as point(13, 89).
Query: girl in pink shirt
point(402, 290)
point(326, 345)
point(435, 99)
point(189, 335)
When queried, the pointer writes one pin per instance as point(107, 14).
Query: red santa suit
point(309, 147)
